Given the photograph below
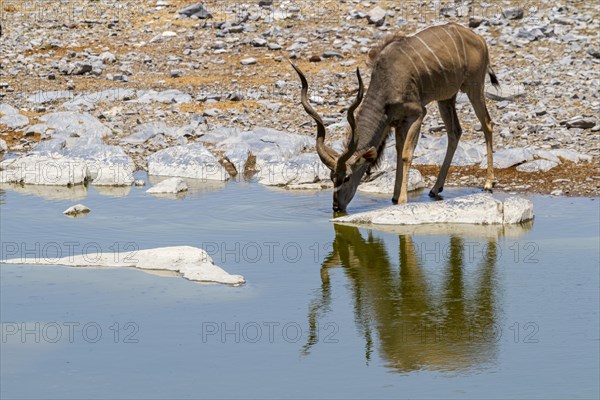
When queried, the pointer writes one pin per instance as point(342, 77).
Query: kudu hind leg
point(454, 131)
point(477, 99)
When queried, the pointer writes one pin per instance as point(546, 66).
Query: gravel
point(230, 66)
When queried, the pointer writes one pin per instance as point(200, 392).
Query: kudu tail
point(493, 77)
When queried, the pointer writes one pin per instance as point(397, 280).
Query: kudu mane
point(383, 43)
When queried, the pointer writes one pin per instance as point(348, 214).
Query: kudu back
point(408, 72)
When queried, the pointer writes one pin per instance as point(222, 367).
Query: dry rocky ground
point(227, 63)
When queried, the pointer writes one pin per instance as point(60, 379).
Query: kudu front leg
point(412, 137)
point(400, 134)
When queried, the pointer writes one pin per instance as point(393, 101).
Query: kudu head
point(347, 168)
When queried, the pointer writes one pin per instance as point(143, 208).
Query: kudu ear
point(369, 155)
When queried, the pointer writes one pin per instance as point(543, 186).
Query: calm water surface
point(328, 311)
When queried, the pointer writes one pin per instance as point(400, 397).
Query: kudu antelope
point(408, 72)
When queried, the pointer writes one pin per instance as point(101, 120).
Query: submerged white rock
point(472, 209)
point(77, 209)
point(171, 185)
point(73, 193)
point(187, 161)
point(192, 263)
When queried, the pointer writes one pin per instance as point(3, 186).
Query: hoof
point(394, 201)
point(487, 190)
point(434, 194)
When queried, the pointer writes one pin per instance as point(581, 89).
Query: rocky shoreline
point(105, 88)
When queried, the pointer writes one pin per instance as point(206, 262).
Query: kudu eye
point(347, 178)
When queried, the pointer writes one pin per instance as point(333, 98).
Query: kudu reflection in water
point(419, 326)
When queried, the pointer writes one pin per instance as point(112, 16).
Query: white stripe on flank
point(436, 57)
point(424, 63)
point(410, 59)
point(453, 42)
point(417, 32)
point(463, 46)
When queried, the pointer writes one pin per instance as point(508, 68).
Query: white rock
point(76, 210)
point(556, 192)
point(472, 209)
point(34, 169)
point(11, 117)
point(546, 155)
point(67, 123)
point(104, 96)
point(187, 161)
point(268, 145)
point(432, 151)
point(106, 165)
point(65, 163)
point(385, 182)
point(171, 185)
point(465, 154)
point(219, 134)
point(517, 210)
point(48, 97)
point(571, 155)
point(193, 263)
point(14, 121)
point(139, 182)
point(7, 109)
point(509, 157)
point(108, 57)
point(248, 61)
point(166, 97)
point(376, 16)
point(537, 166)
point(322, 185)
point(506, 92)
point(146, 131)
point(305, 168)
point(3, 146)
